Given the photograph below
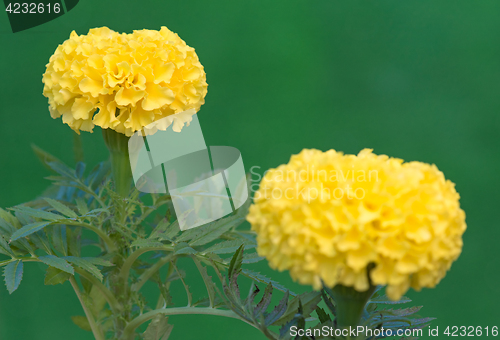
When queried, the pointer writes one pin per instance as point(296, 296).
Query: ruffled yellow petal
point(144, 76)
point(342, 219)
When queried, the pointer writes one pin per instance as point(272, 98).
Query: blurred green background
point(418, 80)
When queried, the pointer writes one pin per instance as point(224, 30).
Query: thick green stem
point(108, 295)
point(96, 330)
point(117, 144)
point(350, 305)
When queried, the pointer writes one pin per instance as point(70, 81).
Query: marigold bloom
point(338, 218)
point(132, 79)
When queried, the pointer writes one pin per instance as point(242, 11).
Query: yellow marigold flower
point(131, 80)
point(338, 218)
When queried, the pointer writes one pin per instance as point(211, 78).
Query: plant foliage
point(109, 247)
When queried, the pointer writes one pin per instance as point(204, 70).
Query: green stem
point(98, 335)
point(148, 273)
point(129, 331)
point(350, 304)
point(108, 295)
point(117, 144)
point(111, 245)
point(127, 265)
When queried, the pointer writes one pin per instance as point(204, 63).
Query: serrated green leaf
point(209, 284)
point(45, 215)
point(28, 230)
point(61, 208)
point(227, 247)
point(5, 248)
point(309, 302)
point(13, 274)
point(95, 212)
point(54, 276)
point(385, 300)
point(330, 303)
point(58, 263)
point(5, 226)
point(41, 241)
point(186, 287)
point(85, 264)
point(59, 238)
point(7, 221)
point(44, 156)
point(404, 311)
point(62, 169)
point(98, 261)
point(183, 248)
point(81, 322)
point(215, 230)
point(235, 264)
point(322, 315)
point(165, 230)
point(97, 301)
point(81, 205)
point(264, 302)
point(278, 311)
point(252, 258)
point(158, 329)
point(264, 279)
point(146, 243)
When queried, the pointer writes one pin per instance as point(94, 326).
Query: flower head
point(351, 220)
point(131, 80)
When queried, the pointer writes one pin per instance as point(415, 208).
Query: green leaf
point(98, 261)
point(165, 230)
point(60, 239)
point(98, 301)
point(252, 258)
point(61, 208)
point(330, 303)
point(81, 205)
point(58, 263)
point(322, 315)
point(5, 226)
point(13, 274)
point(227, 247)
point(265, 301)
point(45, 215)
point(235, 264)
point(81, 322)
point(5, 248)
point(41, 241)
point(85, 264)
point(54, 276)
point(63, 170)
point(158, 329)
point(146, 243)
point(183, 248)
point(263, 279)
point(44, 156)
point(385, 300)
point(214, 230)
point(207, 280)
point(186, 287)
point(309, 303)
point(278, 311)
point(28, 230)
point(74, 235)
